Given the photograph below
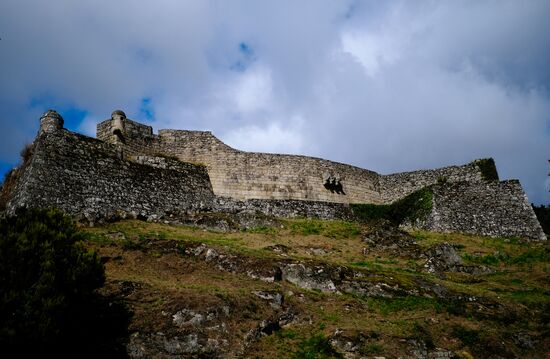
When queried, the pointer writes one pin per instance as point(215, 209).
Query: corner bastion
point(131, 170)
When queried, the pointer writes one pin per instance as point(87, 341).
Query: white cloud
point(275, 138)
point(387, 86)
point(252, 91)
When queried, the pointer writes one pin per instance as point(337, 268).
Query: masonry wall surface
point(86, 177)
point(395, 186)
point(248, 175)
point(285, 208)
point(285, 185)
point(490, 208)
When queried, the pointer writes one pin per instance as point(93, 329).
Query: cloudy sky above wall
point(389, 86)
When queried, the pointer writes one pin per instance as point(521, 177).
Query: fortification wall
point(122, 174)
point(285, 208)
point(87, 177)
point(395, 186)
point(490, 208)
point(138, 139)
point(247, 175)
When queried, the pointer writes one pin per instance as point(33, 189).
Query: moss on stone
point(416, 205)
point(488, 169)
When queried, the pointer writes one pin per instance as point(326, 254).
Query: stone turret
point(117, 124)
point(51, 122)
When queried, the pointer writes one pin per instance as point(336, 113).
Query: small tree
point(48, 279)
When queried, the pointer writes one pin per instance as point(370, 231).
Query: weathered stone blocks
point(131, 172)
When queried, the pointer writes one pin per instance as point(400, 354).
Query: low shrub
point(467, 336)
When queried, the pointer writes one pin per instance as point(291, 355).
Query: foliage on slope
point(415, 206)
point(162, 270)
point(48, 280)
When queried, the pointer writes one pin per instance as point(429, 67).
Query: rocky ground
point(274, 288)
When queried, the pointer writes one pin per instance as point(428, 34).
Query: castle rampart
point(130, 171)
point(395, 186)
point(88, 178)
point(249, 175)
point(489, 208)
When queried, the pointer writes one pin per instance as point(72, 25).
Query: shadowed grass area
point(415, 206)
point(513, 298)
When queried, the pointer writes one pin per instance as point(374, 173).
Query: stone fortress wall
point(249, 175)
point(130, 172)
point(395, 186)
point(489, 208)
point(88, 177)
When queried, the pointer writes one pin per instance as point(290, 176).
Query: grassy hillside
point(320, 289)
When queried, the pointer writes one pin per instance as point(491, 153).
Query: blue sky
point(389, 86)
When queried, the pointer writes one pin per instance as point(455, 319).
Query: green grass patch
point(287, 334)
point(134, 245)
point(488, 259)
point(262, 230)
point(367, 264)
point(341, 229)
point(332, 317)
point(316, 347)
point(415, 206)
point(467, 336)
point(97, 238)
point(534, 297)
point(487, 168)
point(332, 229)
point(386, 261)
point(420, 236)
point(530, 256)
point(307, 227)
point(372, 349)
point(387, 306)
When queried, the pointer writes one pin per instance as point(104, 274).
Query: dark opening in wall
point(119, 135)
point(334, 185)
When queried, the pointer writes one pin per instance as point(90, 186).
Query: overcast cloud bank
point(388, 86)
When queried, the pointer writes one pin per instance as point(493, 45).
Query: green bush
point(467, 336)
point(48, 282)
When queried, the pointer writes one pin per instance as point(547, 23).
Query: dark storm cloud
point(388, 86)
